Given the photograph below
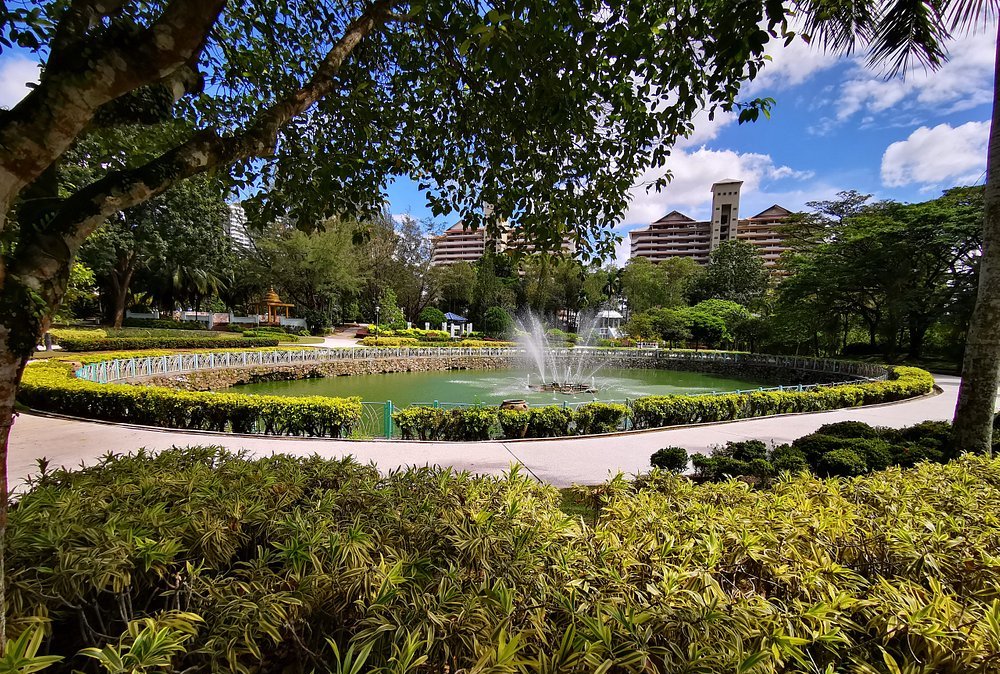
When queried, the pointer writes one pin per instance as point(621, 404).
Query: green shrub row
point(127, 343)
point(163, 324)
point(317, 565)
point(657, 411)
point(53, 386)
point(412, 341)
point(483, 423)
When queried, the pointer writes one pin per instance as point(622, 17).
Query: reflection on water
point(493, 386)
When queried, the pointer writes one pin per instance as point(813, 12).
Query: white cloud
point(16, 72)
point(623, 249)
point(964, 82)
point(934, 155)
point(693, 175)
point(789, 66)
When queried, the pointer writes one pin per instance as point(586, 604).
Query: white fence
point(136, 368)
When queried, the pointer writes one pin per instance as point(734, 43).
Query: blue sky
point(836, 126)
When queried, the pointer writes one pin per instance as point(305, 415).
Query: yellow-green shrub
point(279, 555)
point(390, 341)
point(118, 343)
point(655, 411)
point(52, 386)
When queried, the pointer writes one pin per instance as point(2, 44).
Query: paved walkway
point(559, 462)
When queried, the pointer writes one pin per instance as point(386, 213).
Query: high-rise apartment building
point(677, 235)
point(236, 227)
point(457, 244)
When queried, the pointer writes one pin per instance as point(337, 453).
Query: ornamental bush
point(598, 417)
point(389, 341)
point(285, 558)
point(673, 459)
point(133, 343)
point(52, 386)
point(656, 411)
point(841, 463)
point(431, 315)
point(163, 324)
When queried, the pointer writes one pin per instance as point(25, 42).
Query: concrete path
point(561, 462)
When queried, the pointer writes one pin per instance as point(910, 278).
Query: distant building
point(457, 244)
point(236, 227)
point(677, 235)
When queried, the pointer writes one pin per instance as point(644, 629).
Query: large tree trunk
point(20, 327)
point(973, 423)
point(119, 296)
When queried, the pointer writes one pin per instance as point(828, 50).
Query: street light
point(377, 310)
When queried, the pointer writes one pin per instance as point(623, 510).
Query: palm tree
point(896, 33)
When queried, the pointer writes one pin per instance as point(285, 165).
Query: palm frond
point(909, 30)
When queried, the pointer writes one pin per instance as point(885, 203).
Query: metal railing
point(124, 369)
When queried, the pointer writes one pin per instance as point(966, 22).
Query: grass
point(576, 504)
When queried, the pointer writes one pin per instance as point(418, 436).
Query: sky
point(836, 125)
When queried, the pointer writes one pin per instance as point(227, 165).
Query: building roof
point(455, 318)
point(609, 313)
point(772, 211)
point(674, 216)
point(728, 181)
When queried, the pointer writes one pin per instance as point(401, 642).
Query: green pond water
point(494, 386)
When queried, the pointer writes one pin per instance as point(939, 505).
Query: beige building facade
point(677, 235)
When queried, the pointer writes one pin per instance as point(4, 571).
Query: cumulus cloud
point(934, 155)
point(964, 82)
point(693, 175)
point(16, 73)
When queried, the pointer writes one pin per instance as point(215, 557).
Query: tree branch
point(43, 255)
point(40, 128)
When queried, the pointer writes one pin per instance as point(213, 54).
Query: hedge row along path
point(561, 461)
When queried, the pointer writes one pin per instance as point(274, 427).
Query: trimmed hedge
point(657, 411)
point(163, 324)
point(130, 343)
point(484, 423)
point(390, 341)
point(53, 386)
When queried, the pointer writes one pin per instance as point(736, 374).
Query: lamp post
point(378, 309)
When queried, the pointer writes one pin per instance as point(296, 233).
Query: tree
point(647, 285)
point(545, 110)
point(895, 34)
point(318, 271)
point(898, 269)
point(736, 273)
point(497, 322)
point(432, 316)
point(177, 238)
point(454, 283)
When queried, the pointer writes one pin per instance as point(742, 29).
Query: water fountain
point(558, 369)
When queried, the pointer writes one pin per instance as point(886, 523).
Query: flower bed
point(53, 386)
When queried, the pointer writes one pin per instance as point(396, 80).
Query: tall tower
point(725, 211)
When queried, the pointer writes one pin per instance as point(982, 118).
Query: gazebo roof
point(455, 318)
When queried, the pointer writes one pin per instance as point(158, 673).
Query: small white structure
point(610, 324)
point(286, 322)
point(244, 320)
point(199, 316)
point(152, 315)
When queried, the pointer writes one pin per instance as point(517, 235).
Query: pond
point(491, 387)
